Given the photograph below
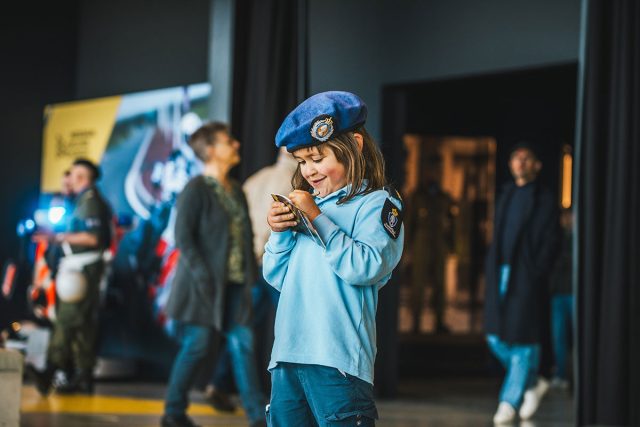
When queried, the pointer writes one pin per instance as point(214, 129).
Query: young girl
point(325, 331)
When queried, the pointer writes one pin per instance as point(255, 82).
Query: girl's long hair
point(367, 165)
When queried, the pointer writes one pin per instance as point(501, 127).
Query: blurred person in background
point(211, 292)
point(518, 266)
point(88, 233)
point(277, 179)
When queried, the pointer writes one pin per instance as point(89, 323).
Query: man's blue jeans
point(312, 395)
point(521, 363)
point(562, 321)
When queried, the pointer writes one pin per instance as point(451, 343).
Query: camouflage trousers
point(73, 342)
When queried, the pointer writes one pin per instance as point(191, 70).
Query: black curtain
point(608, 238)
point(267, 58)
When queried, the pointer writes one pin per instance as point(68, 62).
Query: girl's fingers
point(279, 206)
point(276, 210)
point(282, 220)
point(278, 216)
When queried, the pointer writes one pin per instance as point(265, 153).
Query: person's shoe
point(530, 404)
point(542, 387)
point(81, 383)
point(505, 414)
point(220, 401)
point(532, 399)
point(61, 378)
point(41, 379)
point(177, 421)
point(261, 423)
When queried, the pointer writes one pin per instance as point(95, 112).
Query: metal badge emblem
point(322, 129)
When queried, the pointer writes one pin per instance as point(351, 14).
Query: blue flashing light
point(25, 227)
point(56, 214)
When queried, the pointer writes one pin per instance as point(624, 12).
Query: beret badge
point(322, 128)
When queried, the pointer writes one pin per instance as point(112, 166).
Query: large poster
point(75, 129)
point(136, 139)
point(140, 143)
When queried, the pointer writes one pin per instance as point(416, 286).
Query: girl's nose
point(308, 174)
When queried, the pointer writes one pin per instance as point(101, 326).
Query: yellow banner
point(72, 130)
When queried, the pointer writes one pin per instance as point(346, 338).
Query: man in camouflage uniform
point(76, 323)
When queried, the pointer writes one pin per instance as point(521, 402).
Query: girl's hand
point(280, 218)
point(304, 201)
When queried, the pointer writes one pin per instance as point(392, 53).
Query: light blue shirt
point(328, 298)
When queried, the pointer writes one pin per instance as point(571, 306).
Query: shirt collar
point(338, 193)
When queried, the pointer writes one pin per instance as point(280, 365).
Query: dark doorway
point(536, 105)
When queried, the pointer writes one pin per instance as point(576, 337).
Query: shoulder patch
point(391, 218)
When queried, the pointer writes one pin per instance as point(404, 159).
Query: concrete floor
point(421, 403)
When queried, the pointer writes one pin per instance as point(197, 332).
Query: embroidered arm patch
point(391, 218)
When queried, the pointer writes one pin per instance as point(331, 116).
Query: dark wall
point(127, 46)
point(361, 45)
point(38, 51)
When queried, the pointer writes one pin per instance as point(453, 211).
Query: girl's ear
point(360, 140)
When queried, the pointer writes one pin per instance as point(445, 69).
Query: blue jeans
point(239, 343)
point(194, 347)
point(521, 362)
point(264, 299)
point(245, 371)
point(562, 321)
point(314, 395)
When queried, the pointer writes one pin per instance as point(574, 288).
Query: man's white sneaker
point(505, 414)
point(542, 387)
point(532, 398)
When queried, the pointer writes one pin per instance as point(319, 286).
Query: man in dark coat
point(518, 265)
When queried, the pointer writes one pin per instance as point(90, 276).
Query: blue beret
point(320, 118)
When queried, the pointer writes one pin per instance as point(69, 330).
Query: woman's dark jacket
point(518, 317)
point(202, 237)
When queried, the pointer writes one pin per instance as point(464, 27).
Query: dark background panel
point(132, 46)
point(537, 105)
point(38, 47)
